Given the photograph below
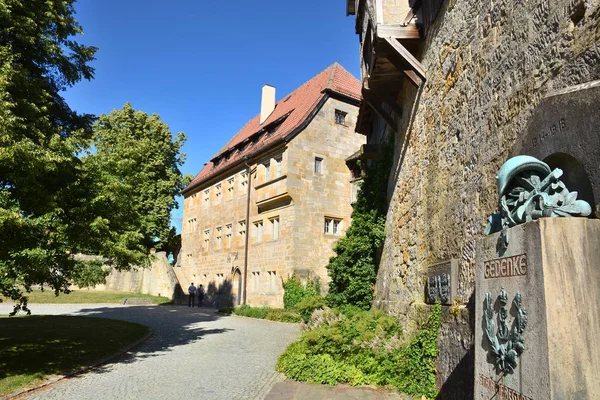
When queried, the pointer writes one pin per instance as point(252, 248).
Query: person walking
point(192, 293)
point(200, 295)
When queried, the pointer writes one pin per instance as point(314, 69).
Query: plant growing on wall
point(353, 270)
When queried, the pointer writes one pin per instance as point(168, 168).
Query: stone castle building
point(462, 86)
point(275, 199)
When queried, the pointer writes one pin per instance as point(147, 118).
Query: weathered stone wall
point(298, 200)
point(489, 64)
point(157, 280)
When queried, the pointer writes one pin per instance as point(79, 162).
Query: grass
point(33, 348)
point(87, 297)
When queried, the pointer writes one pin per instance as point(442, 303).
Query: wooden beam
point(375, 103)
point(398, 31)
point(383, 95)
point(412, 78)
point(402, 58)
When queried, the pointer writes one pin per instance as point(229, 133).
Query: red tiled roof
point(293, 110)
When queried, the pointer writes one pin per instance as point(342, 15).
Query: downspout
point(245, 289)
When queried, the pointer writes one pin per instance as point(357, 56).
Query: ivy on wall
point(353, 270)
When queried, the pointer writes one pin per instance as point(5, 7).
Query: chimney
point(267, 105)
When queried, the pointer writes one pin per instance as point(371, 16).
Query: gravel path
point(194, 353)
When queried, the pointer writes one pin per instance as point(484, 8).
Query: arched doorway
point(236, 285)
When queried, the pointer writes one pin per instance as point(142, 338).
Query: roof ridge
point(332, 75)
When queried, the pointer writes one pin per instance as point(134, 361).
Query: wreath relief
point(506, 346)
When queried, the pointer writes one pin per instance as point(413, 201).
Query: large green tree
point(134, 166)
point(54, 202)
point(39, 136)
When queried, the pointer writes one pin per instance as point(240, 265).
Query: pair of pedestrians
point(192, 292)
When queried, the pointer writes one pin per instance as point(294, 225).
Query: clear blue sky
point(201, 64)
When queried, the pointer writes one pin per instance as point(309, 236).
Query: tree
point(39, 137)
point(134, 169)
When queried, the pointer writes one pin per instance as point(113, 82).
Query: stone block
point(551, 263)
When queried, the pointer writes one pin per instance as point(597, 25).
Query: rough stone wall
point(489, 63)
point(328, 194)
point(301, 245)
point(158, 280)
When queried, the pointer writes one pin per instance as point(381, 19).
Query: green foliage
point(53, 203)
point(135, 174)
point(295, 292)
point(272, 314)
point(353, 270)
point(308, 305)
point(364, 347)
point(39, 137)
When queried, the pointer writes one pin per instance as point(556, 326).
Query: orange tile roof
point(289, 114)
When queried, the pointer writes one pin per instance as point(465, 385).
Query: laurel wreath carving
point(506, 346)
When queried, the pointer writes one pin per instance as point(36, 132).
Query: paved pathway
point(194, 353)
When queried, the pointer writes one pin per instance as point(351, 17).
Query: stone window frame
point(243, 182)
point(218, 237)
point(206, 197)
point(267, 165)
point(318, 164)
point(255, 282)
point(241, 231)
point(192, 224)
point(278, 165)
point(228, 233)
point(258, 227)
point(273, 284)
point(340, 117)
point(206, 239)
point(275, 228)
point(230, 187)
point(218, 193)
point(332, 225)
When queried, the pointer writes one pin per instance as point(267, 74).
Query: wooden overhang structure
point(388, 57)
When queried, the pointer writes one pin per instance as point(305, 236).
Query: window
point(273, 286)
point(206, 239)
point(218, 192)
point(267, 171)
point(242, 231)
point(220, 280)
point(230, 187)
point(333, 226)
point(274, 228)
point(340, 117)
point(255, 282)
point(278, 162)
point(206, 196)
point(258, 232)
point(191, 225)
point(218, 237)
point(318, 165)
point(243, 180)
point(228, 235)
point(192, 200)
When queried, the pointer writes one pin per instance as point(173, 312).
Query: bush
point(295, 292)
point(308, 305)
point(365, 348)
point(272, 314)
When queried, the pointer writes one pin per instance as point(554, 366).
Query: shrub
point(272, 314)
point(365, 348)
point(295, 292)
point(308, 305)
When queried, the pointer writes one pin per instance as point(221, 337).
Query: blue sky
point(201, 64)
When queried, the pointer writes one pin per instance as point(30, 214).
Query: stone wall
point(157, 280)
point(489, 64)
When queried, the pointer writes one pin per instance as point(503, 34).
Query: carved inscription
point(501, 390)
point(550, 131)
point(506, 267)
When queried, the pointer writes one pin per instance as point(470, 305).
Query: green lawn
point(33, 348)
point(83, 296)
